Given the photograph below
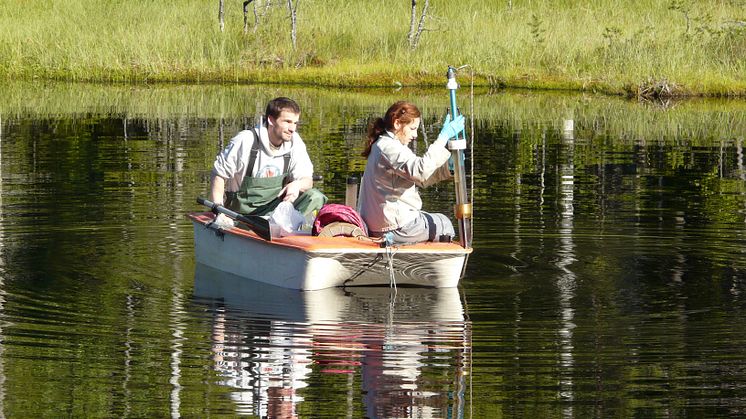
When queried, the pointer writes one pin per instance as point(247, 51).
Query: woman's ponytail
point(376, 127)
point(402, 111)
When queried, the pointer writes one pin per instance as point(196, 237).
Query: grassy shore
point(642, 47)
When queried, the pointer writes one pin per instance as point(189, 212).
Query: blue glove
point(452, 128)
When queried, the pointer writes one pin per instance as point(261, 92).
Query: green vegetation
point(699, 120)
point(652, 48)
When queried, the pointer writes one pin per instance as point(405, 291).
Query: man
point(266, 165)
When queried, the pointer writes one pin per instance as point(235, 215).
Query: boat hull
point(309, 263)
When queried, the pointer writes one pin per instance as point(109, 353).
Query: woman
point(389, 201)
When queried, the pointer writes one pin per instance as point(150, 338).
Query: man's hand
point(290, 192)
point(224, 222)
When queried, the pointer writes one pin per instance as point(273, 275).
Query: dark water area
point(607, 278)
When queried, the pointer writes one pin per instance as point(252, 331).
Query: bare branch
point(413, 37)
point(421, 25)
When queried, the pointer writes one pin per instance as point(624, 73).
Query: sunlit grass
point(610, 46)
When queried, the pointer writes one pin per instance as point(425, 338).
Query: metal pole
point(463, 208)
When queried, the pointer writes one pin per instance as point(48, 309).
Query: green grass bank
point(630, 47)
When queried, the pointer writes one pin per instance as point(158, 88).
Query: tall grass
point(614, 46)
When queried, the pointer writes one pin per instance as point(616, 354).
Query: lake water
point(607, 278)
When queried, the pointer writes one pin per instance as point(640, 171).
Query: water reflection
point(2, 278)
point(607, 277)
point(386, 353)
point(565, 258)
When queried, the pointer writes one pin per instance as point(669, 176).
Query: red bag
point(331, 213)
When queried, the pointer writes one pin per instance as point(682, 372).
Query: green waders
point(258, 196)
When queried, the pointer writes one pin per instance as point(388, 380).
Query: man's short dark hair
point(279, 104)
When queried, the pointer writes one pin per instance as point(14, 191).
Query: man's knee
point(310, 201)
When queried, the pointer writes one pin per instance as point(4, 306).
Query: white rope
point(390, 252)
point(392, 307)
point(471, 134)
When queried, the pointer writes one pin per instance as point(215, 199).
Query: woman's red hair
point(402, 111)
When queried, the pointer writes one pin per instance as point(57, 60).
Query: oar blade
point(259, 225)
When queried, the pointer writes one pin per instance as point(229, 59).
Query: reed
point(647, 48)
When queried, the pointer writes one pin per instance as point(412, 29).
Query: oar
point(257, 224)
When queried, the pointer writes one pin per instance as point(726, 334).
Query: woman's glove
point(451, 128)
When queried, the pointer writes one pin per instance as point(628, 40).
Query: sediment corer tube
point(462, 209)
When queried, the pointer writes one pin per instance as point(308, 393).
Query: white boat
point(306, 262)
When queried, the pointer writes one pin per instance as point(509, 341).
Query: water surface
point(607, 277)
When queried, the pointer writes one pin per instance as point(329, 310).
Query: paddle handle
point(258, 224)
point(217, 208)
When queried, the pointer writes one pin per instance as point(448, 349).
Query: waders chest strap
point(255, 151)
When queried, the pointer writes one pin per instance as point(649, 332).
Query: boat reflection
point(374, 352)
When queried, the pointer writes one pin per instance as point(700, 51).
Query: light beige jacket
point(388, 194)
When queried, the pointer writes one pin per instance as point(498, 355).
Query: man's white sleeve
point(229, 163)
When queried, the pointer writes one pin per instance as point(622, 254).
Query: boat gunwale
point(324, 245)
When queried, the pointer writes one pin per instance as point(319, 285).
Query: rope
point(390, 252)
point(471, 145)
point(471, 160)
point(468, 347)
point(392, 307)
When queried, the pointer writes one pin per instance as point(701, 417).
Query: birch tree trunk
point(246, 16)
point(412, 19)
point(256, 18)
point(293, 18)
point(221, 15)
